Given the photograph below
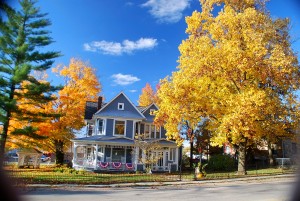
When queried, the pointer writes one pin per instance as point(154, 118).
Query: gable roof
point(146, 112)
point(132, 113)
point(147, 107)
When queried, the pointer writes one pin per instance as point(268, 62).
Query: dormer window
point(120, 106)
point(152, 111)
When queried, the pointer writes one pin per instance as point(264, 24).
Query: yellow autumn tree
point(148, 96)
point(237, 69)
point(81, 85)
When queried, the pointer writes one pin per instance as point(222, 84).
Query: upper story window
point(152, 131)
point(147, 131)
point(101, 124)
point(155, 131)
point(120, 106)
point(119, 127)
point(172, 154)
point(152, 111)
point(90, 130)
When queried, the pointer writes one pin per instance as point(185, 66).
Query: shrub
point(220, 163)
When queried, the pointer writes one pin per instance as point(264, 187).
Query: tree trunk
point(191, 154)
point(271, 158)
point(3, 137)
point(59, 153)
point(4, 133)
point(242, 159)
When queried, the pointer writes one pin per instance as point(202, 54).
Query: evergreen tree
point(22, 35)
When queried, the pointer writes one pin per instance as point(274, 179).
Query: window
point(118, 154)
point(89, 154)
point(137, 128)
point(152, 111)
point(155, 132)
point(120, 106)
point(152, 131)
point(90, 130)
point(172, 154)
point(119, 127)
point(147, 131)
point(100, 126)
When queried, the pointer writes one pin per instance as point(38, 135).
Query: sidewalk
point(149, 184)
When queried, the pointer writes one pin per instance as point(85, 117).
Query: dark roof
point(141, 108)
point(163, 142)
point(106, 139)
point(90, 109)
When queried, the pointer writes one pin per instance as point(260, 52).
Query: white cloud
point(121, 79)
point(129, 3)
point(116, 48)
point(132, 90)
point(167, 11)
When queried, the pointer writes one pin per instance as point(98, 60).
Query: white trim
point(103, 126)
point(114, 125)
point(133, 128)
point(145, 109)
point(121, 106)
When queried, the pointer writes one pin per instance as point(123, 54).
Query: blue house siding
point(146, 113)
point(111, 109)
point(109, 127)
point(129, 128)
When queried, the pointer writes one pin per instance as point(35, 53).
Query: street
point(256, 190)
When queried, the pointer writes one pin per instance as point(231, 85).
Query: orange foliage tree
point(148, 96)
point(81, 85)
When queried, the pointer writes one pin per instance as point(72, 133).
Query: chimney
point(99, 102)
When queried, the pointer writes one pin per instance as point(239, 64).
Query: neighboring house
point(109, 142)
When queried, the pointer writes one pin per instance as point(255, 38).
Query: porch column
point(74, 154)
point(136, 156)
point(96, 156)
point(176, 158)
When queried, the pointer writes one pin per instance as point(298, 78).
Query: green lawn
point(52, 175)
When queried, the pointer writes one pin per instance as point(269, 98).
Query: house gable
point(147, 112)
point(120, 107)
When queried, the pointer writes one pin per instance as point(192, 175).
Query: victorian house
point(109, 144)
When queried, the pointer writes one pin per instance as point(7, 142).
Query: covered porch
point(120, 154)
point(105, 155)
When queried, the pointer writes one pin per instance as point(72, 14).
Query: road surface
point(273, 189)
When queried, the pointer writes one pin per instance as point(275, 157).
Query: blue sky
point(131, 43)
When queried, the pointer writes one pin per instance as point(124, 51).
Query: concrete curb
point(172, 183)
